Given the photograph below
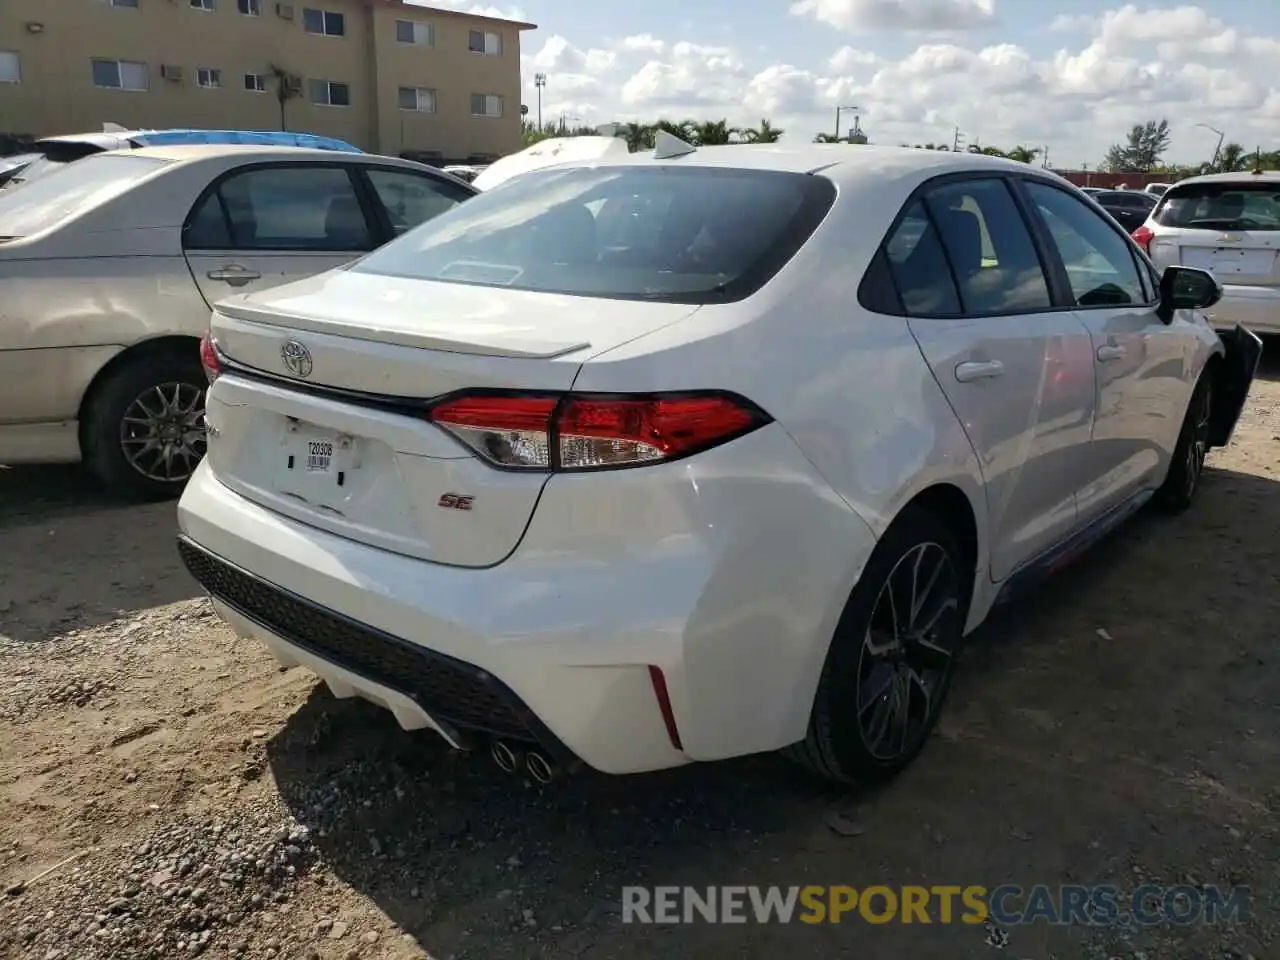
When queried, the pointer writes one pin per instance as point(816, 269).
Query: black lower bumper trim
point(450, 690)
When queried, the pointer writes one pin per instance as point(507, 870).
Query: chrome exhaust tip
point(539, 767)
point(503, 756)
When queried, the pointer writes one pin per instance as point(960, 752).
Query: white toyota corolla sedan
point(700, 453)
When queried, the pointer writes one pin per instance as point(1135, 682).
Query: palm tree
point(639, 136)
point(827, 138)
point(1231, 158)
point(987, 151)
point(1023, 154)
point(713, 133)
point(765, 133)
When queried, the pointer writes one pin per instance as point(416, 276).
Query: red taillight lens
point(209, 358)
point(1142, 237)
point(584, 432)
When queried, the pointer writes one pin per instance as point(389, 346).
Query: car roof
point(187, 152)
point(1241, 176)
point(835, 160)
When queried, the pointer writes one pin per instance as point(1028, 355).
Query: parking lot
point(1121, 726)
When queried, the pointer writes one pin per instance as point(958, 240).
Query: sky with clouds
point(1072, 76)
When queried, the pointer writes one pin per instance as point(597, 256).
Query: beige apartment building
point(385, 75)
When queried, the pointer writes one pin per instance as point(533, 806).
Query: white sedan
point(108, 268)
point(703, 453)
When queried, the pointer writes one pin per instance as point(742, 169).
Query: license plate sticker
point(319, 456)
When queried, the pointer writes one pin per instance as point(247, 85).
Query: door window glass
point(989, 248)
point(306, 208)
point(919, 266)
point(1099, 260)
point(411, 199)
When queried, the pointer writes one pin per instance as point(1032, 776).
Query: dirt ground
point(1122, 726)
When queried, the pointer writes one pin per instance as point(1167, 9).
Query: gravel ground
point(167, 791)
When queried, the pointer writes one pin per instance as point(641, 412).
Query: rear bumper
point(1255, 308)
point(727, 572)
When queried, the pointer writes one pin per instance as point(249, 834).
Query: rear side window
point(988, 247)
point(69, 191)
point(303, 208)
point(1221, 206)
point(661, 233)
point(411, 198)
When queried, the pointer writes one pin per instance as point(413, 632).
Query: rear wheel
point(1187, 464)
point(889, 668)
point(143, 431)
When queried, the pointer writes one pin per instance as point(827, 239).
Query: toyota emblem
point(296, 358)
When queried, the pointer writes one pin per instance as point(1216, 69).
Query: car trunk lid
point(322, 411)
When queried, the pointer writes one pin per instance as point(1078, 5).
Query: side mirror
point(1187, 288)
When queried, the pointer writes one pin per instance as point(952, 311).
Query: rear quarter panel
point(851, 388)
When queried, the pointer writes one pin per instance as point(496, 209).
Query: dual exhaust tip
point(535, 764)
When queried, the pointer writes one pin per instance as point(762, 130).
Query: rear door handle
point(1110, 351)
point(234, 274)
point(974, 370)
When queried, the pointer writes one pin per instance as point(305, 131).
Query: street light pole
point(840, 110)
point(539, 81)
point(1218, 149)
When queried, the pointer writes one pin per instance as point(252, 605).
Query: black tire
point(1186, 466)
point(836, 747)
point(105, 433)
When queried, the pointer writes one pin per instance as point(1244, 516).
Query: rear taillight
point(209, 358)
point(586, 432)
point(1143, 236)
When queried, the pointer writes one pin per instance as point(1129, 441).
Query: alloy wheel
point(907, 651)
point(1198, 448)
point(162, 432)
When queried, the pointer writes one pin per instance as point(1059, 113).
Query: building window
point(486, 105)
point(208, 5)
point(250, 8)
point(418, 99)
point(255, 83)
point(120, 74)
point(208, 78)
point(327, 93)
point(10, 67)
point(485, 41)
point(410, 31)
point(323, 23)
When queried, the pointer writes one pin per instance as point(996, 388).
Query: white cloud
point(1114, 70)
point(480, 9)
point(927, 15)
point(645, 42)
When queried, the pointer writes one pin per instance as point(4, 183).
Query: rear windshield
point(1221, 206)
point(72, 190)
point(662, 233)
point(54, 155)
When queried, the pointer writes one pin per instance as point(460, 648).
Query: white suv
point(684, 456)
point(1229, 224)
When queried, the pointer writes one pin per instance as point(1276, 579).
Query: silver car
point(109, 267)
point(1228, 224)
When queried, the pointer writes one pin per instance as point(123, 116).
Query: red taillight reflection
point(209, 358)
point(1143, 236)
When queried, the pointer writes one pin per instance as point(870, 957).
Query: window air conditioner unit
point(284, 11)
point(171, 72)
